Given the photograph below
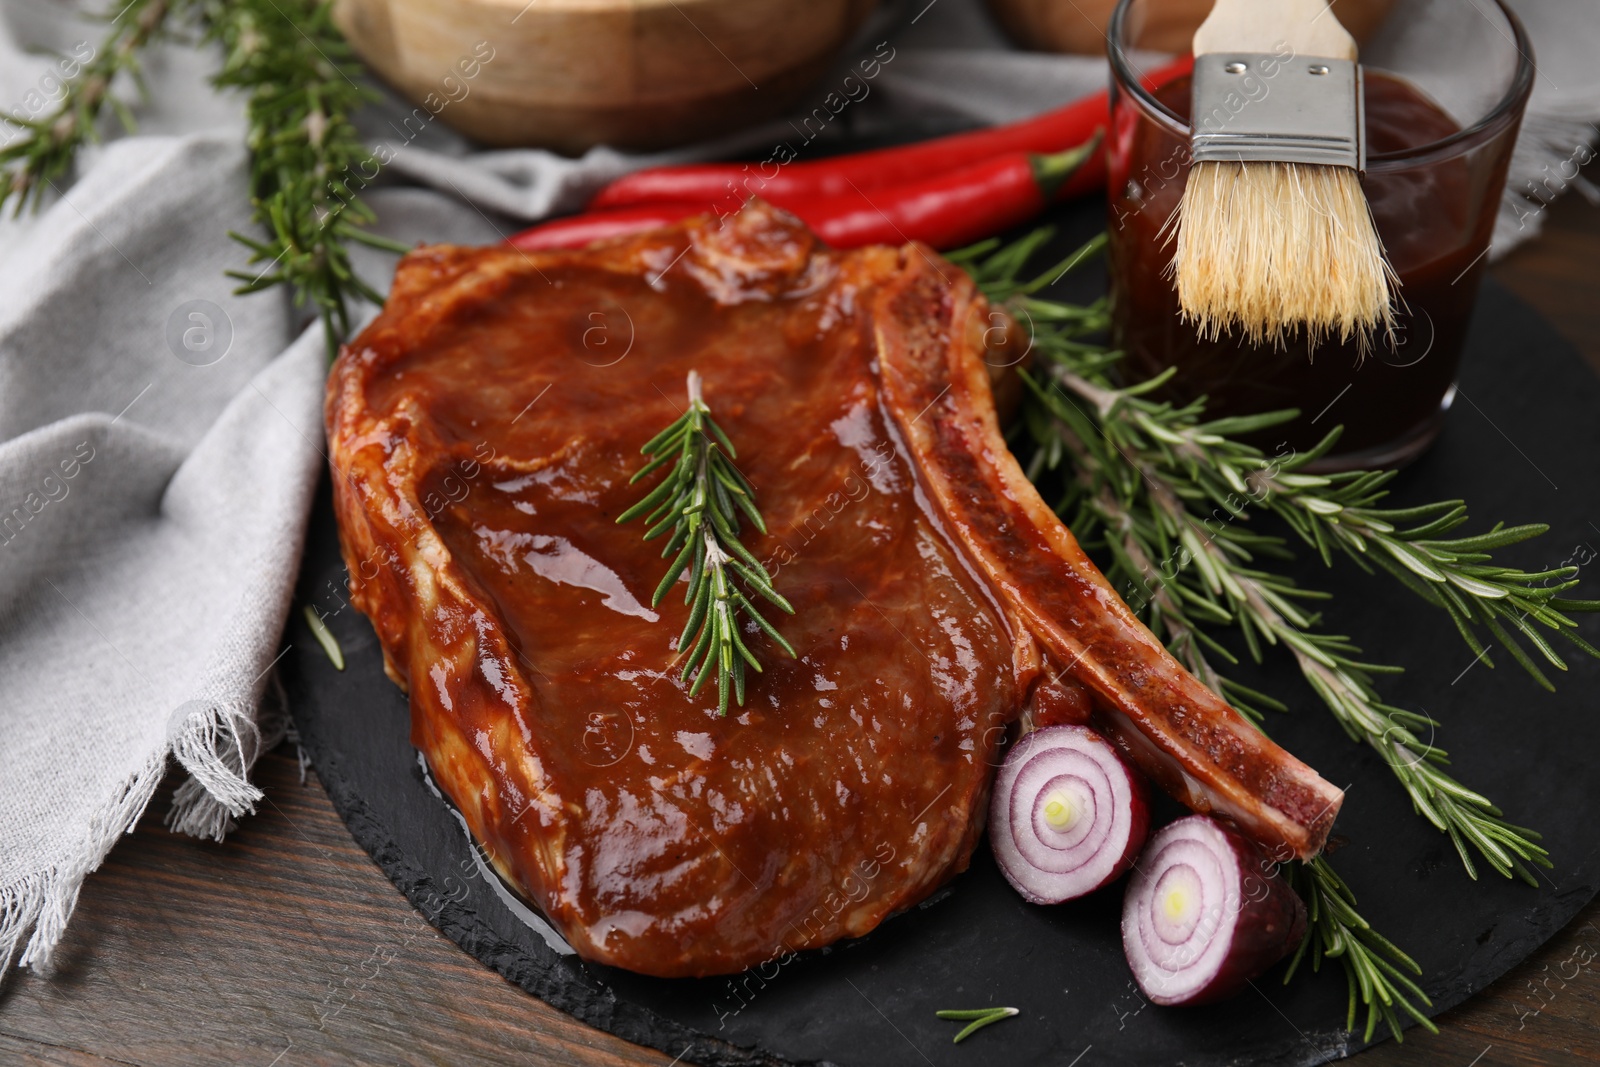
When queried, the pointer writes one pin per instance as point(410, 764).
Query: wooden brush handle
point(1307, 26)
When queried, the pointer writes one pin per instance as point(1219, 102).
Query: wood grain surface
point(572, 74)
point(285, 946)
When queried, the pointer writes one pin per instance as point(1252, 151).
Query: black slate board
point(1523, 444)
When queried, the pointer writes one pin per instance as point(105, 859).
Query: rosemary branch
point(302, 81)
point(30, 164)
point(1156, 475)
point(1375, 970)
point(699, 503)
point(1338, 512)
point(1149, 479)
point(1457, 575)
point(1221, 588)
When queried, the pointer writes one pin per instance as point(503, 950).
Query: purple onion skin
point(1138, 811)
point(1271, 923)
point(1141, 819)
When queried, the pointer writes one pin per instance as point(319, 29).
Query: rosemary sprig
point(1222, 588)
point(699, 503)
point(1165, 484)
point(302, 82)
point(1167, 494)
point(1338, 512)
point(1458, 575)
point(44, 152)
point(1208, 467)
point(979, 1018)
point(301, 78)
point(1375, 969)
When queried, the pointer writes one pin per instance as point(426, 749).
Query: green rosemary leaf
point(700, 500)
point(679, 563)
point(739, 647)
point(697, 613)
point(651, 501)
point(772, 632)
point(1572, 635)
point(324, 636)
point(979, 1018)
point(1243, 424)
point(722, 439)
point(1376, 970)
point(1144, 475)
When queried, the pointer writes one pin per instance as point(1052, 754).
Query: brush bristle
point(1267, 249)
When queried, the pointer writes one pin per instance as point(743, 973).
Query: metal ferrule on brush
point(1261, 108)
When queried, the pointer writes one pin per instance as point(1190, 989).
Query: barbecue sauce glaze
point(654, 833)
point(482, 432)
point(1433, 222)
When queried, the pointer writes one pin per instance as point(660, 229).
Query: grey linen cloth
point(160, 438)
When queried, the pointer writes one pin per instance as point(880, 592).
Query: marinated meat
point(482, 433)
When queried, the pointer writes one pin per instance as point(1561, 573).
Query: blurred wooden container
point(1080, 25)
point(571, 74)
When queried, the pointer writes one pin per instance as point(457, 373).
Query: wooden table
point(286, 946)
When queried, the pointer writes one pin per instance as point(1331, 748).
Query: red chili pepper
point(730, 184)
point(943, 210)
point(951, 209)
point(575, 231)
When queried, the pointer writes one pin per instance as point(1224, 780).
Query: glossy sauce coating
point(488, 423)
point(482, 432)
point(1179, 733)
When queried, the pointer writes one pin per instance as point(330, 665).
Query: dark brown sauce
point(546, 688)
point(1434, 221)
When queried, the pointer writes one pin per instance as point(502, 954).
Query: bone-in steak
point(482, 433)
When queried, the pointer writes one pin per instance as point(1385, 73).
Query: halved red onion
point(1068, 816)
point(1206, 911)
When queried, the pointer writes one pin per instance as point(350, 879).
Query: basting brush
point(1274, 234)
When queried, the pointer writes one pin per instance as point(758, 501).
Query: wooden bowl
point(571, 74)
point(1080, 25)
